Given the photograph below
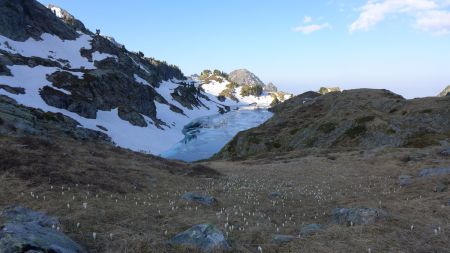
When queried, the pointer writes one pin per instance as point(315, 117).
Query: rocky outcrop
point(204, 237)
point(357, 216)
point(325, 90)
point(20, 120)
point(199, 198)
point(68, 18)
point(12, 90)
point(270, 87)
point(445, 92)
point(29, 231)
point(359, 119)
point(22, 19)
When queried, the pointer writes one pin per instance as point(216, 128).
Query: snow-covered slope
point(141, 103)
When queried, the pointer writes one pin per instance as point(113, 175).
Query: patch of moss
point(427, 111)
point(294, 131)
point(390, 131)
point(276, 144)
point(422, 140)
point(327, 127)
point(49, 116)
point(311, 141)
point(356, 131)
point(393, 110)
point(365, 119)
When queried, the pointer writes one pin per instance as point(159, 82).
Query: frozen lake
point(205, 136)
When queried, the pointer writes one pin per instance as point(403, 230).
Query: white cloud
point(307, 19)
point(375, 11)
point(311, 28)
point(436, 22)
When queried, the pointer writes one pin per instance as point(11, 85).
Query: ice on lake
point(205, 136)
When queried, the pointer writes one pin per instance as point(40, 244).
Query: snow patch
point(140, 80)
point(52, 47)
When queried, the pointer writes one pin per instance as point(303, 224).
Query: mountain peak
point(67, 18)
point(244, 76)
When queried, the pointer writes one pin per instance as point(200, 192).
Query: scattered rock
point(445, 152)
point(310, 229)
point(279, 239)
point(200, 198)
point(30, 231)
point(205, 237)
point(448, 203)
point(434, 172)
point(357, 216)
point(440, 187)
point(405, 180)
point(326, 90)
point(275, 194)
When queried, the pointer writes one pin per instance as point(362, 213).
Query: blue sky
point(401, 45)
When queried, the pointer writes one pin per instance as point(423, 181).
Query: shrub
point(249, 90)
point(366, 119)
point(356, 131)
point(206, 73)
point(423, 140)
point(427, 111)
point(275, 101)
point(294, 131)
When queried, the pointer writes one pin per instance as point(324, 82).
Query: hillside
point(50, 61)
point(352, 119)
point(108, 199)
point(241, 87)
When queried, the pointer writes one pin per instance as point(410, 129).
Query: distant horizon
point(402, 46)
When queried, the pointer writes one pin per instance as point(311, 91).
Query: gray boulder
point(310, 229)
point(200, 198)
point(275, 195)
point(445, 152)
point(29, 231)
point(405, 180)
point(357, 216)
point(440, 187)
point(279, 239)
point(20, 214)
point(204, 237)
point(434, 172)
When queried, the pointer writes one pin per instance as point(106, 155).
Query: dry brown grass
point(113, 180)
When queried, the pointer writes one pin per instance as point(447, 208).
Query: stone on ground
point(204, 237)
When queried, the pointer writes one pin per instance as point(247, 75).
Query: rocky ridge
point(358, 119)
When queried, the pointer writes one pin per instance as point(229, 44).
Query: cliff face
point(445, 92)
point(362, 119)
